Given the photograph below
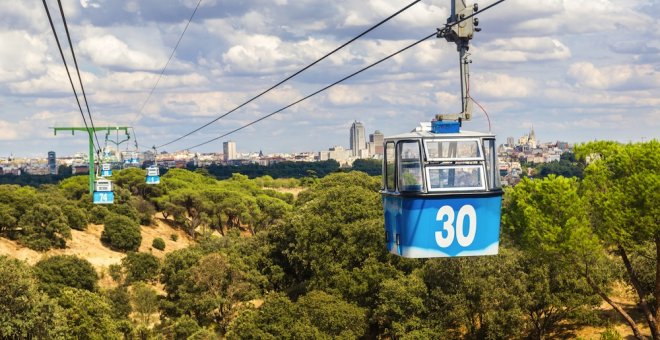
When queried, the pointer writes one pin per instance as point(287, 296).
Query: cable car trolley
point(441, 189)
point(153, 175)
point(441, 194)
point(106, 170)
point(103, 193)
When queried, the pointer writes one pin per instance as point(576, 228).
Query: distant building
point(358, 138)
point(229, 150)
point(337, 153)
point(510, 141)
point(376, 142)
point(52, 163)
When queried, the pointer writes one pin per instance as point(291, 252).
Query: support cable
point(447, 26)
point(293, 75)
point(166, 64)
point(317, 92)
point(59, 47)
point(75, 62)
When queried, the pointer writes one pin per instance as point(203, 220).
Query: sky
point(573, 71)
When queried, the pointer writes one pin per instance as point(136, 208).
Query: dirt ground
point(87, 244)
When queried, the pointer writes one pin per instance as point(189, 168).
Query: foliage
point(372, 167)
point(59, 271)
point(158, 243)
point(25, 312)
point(86, 315)
point(560, 168)
point(121, 233)
point(141, 267)
point(278, 170)
point(44, 227)
point(120, 301)
point(144, 300)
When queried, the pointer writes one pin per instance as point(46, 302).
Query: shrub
point(116, 273)
point(121, 233)
point(158, 243)
point(141, 267)
point(76, 217)
point(57, 272)
point(145, 210)
point(174, 237)
point(98, 214)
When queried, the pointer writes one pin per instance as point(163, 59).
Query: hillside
point(87, 244)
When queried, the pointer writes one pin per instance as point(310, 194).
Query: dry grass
point(87, 244)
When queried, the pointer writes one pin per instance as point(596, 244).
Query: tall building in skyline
point(229, 150)
point(52, 163)
point(376, 142)
point(358, 138)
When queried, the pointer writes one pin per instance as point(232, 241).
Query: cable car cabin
point(441, 194)
point(153, 175)
point(103, 193)
point(106, 170)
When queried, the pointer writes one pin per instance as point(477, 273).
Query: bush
point(121, 233)
point(116, 273)
point(145, 210)
point(141, 267)
point(174, 237)
point(158, 243)
point(98, 214)
point(60, 271)
point(76, 217)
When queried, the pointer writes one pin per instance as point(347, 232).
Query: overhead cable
point(347, 77)
point(75, 62)
point(293, 75)
point(165, 67)
point(315, 93)
point(59, 47)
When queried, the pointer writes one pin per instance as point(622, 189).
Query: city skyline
point(540, 65)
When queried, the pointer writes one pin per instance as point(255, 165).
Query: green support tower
point(90, 132)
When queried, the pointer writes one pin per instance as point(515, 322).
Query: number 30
point(446, 215)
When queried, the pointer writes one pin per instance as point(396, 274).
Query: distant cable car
point(441, 193)
point(106, 170)
point(103, 193)
point(153, 175)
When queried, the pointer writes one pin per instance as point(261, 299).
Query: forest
point(268, 264)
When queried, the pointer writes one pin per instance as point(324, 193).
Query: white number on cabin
point(446, 216)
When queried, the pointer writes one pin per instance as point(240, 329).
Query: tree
point(86, 315)
point(401, 306)
point(548, 218)
point(141, 267)
point(622, 187)
point(121, 233)
point(44, 227)
point(25, 312)
point(145, 301)
point(59, 271)
point(332, 315)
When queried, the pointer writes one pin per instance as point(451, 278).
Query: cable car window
point(389, 166)
point(492, 170)
point(459, 177)
point(410, 167)
point(466, 149)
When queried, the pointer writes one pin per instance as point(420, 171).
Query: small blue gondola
point(103, 193)
point(153, 175)
point(106, 170)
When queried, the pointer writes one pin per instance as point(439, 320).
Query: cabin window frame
point(482, 177)
point(457, 159)
point(419, 161)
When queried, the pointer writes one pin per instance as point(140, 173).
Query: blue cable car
point(441, 192)
point(153, 175)
point(441, 189)
point(106, 170)
point(103, 193)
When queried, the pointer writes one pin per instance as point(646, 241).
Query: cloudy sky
point(574, 70)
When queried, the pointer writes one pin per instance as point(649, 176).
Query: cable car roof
point(431, 135)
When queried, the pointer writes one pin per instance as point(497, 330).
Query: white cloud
point(614, 76)
point(347, 95)
point(21, 56)
point(524, 49)
point(107, 50)
point(498, 85)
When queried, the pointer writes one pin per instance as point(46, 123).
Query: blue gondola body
point(153, 175)
point(441, 193)
point(105, 197)
point(103, 193)
point(106, 170)
point(422, 228)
